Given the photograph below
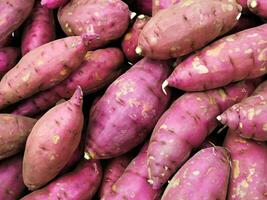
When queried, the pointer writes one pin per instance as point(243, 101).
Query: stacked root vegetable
point(133, 100)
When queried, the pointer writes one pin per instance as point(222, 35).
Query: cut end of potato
point(163, 86)
point(138, 50)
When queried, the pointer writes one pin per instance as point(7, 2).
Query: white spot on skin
point(196, 173)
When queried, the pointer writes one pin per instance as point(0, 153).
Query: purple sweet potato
point(12, 15)
point(9, 57)
point(258, 7)
point(185, 125)
point(136, 101)
point(144, 7)
point(112, 173)
point(130, 40)
point(53, 4)
point(248, 178)
point(204, 176)
point(99, 68)
point(236, 57)
point(80, 184)
point(42, 68)
point(158, 5)
point(52, 142)
point(186, 27)
point(109, 19)
point(14, 131)
point(39, 29)
point(248, 118)
point(134, 183)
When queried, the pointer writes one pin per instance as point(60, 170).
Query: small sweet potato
point(53, 4)
point(248, 178)
point(204, 176)
point(128, 111)
point(158, 5)
point(80, 184)
point(185, 125)
point(144, 6)
point(12, 185)
point(52, 142)
point(9, 57)
point(130, 40)
point(112, 173)
point(14, 131)
point(42, 68)
point(236, 57)
point(134, 183)
point(248, 118)
point(39, 29)
point(109, 19)
point(258, 7)
point(186, 27)
point(99, 68)
point(12, 15)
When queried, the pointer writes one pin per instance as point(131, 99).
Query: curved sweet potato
point(158, 5)
point(9, 57)
point(52, 141)
point(128, 111)
point(53, 4)
point(248, 177)
point(185, 125)
point(258, 7)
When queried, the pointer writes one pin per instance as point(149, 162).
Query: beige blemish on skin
point(216, 51)
point(236, 169)
point(39, 62)
point(2, 21)
point(212, 100)
point(114, 188)
point(196, 173)
point(251, 113)
point(201, 69)
point(64, 72)
point(55, 139)
point(66, 25)
point(264, 127)
point(128, 36)
point(230, 39)
point(26, 77)
point(126, 87)
point(263, 55)
point(222, 94)
point(153, 40)
point(240, 125)
point(163, 126)
point(175, 183)
point(88, 55)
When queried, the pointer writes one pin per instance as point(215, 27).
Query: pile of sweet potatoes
point(133, 99)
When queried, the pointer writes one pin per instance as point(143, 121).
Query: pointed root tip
point(77, 97)
point(163, 86)
point(138, 50)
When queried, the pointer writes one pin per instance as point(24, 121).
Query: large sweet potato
point(99, 68)
point(39, 29)
point(258, 7)
point(9, 57)
point(236, 57)
point(80, 184)
point(248, 177)
point(128, 110)
point(204, 176)
point(185, 125)
point(109, 19)
point(52, 141)
point(186, 27)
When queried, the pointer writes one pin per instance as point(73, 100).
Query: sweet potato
point(195, 20)
point(14, 131)
point(9, 57)
point(144, 7)
point(236, 57)
point(158, 5)
point(52, 142)
point(112, 173)
point(53, 4)
point(204, 176)
point(42, 68)
point(130, 40)
point(258, 7)
point(99, 68)
point(134, 183)
point(185, 125)
point(12, 185)
point(12, 15)
point(248, 118)
point(80, 184)
point(39, 29)
point(248, 177)
point(128, 111)
point(109, 19)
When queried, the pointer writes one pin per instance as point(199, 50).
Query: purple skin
point(9, 57)
point(113, 172)
point(248, 118)
point(39, 29)
point(134, 183)
point(128, 110)
point(53, 4)
point(12, 185)
point(6, 41)
point(108, 19)
point(12, 15)
point(80, 184)
point(204, 176)
point(236, 57)
point(185, 125)
point(144, 7)
point(248, 178)
point(52, 142)
point(258, 7)
point(158, 5)
point(99, 68)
